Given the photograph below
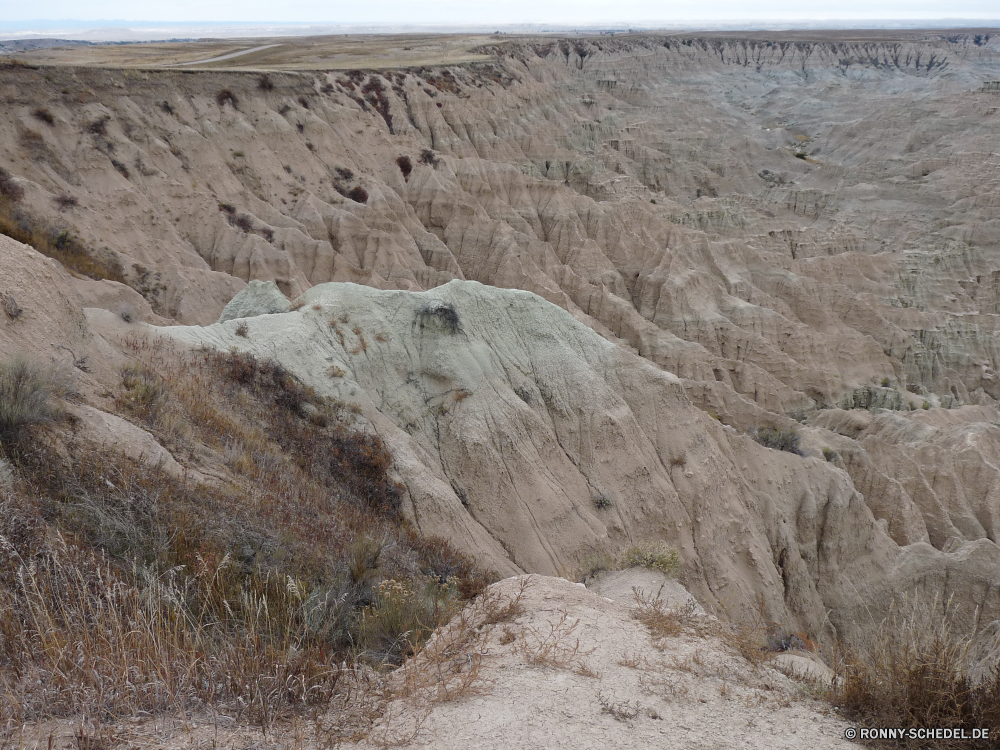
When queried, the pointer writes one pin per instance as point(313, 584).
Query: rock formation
point(717, 232)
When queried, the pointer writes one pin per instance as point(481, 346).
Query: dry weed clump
point(747, 637)
point(9, 305)
point(53, 242)
point(658, 556)
point(913, 671)
point(405, 166)
point(126, 587)
point(783, 440)
point(449, 666)
point(555, 646)
point(29, 395)
point(65, 200)
point(358, 194)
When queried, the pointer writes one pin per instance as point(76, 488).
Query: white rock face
point(507, 416)
point(256, 298)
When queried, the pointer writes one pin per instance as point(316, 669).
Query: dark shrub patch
point(358, 194)
point(227, 96)
point(440, 315)
point(28, 396)
point(98, 126)
point(405, 166)
point(42, 114)
point(122, 169)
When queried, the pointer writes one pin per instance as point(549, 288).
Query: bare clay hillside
point(721, 235)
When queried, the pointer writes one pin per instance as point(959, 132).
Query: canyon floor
point(577, 288)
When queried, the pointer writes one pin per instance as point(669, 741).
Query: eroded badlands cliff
point(722, 234)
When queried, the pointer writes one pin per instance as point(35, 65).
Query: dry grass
point(65, 200)
point(56, 243)
point(913, 671)
point(555, 646)
point(747, 636)
point(658, 556)
point(655, 556)
point(125, 587)
point(29, 395)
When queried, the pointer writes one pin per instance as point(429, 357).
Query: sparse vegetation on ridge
point(658, 556)
point(28, 396)
point(247, 592)
point(52, 241)
point(782, 440)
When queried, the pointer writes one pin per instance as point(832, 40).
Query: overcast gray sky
point(490, 12)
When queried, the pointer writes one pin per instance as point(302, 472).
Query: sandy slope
point(621, 688)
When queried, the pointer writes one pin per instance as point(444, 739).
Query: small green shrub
point(28, 396)
point(830, 454)
point(594, 563)
point(886, 382)
point(658, 556)
point(782, 440)
point(602, 501)
point(401, 617)
point(926, 405)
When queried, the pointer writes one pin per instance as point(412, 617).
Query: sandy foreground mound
point(577, 670)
